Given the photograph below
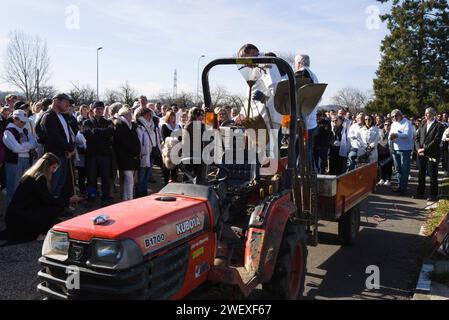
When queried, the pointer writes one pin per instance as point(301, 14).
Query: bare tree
point(235, 101)
point(83, 94)
point(128, 94)
point(47, 92)
point(27, 63)
point(111, 96)
point(219, 96)
point(289, 57)
point(352, 98)
point(185, 99)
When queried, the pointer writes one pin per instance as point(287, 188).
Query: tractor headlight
point(116, 255)
point(56, 246)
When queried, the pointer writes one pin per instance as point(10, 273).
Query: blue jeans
point(14, 173)
point(402, 163)
point(150, 177)
point(142, 186)
point(352, 159)
point(59, 178)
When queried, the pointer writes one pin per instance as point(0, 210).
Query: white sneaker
point(381, 183)
point(387, 183)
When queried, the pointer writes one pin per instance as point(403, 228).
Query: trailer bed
point(339, 194)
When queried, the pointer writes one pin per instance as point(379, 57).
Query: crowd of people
point(52, 152)
point(393, 141)
point(69, 148)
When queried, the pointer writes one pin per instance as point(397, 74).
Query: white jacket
point(22, 148)
point(145, 147)
point(369, 138)
point(267, 83)
point(354, 136)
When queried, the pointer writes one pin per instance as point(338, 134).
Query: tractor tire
point(349, 226)
point(290, 270)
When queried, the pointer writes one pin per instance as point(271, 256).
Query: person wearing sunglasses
point(369, 139)
point(354, 138)
point(385, 157)
point(401, 137)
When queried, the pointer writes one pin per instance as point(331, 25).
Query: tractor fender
point(265, 234)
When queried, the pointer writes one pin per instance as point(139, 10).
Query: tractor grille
point(167, 273)
point(156, 279)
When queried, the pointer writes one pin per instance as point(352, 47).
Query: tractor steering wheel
point(191, 177)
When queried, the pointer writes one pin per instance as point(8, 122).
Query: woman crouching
point(33, 210)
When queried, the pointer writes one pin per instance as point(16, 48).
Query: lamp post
point(198, 79)
point(98, 72)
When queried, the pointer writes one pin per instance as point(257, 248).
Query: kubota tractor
point(233, 228)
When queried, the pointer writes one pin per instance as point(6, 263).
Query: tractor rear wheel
point(349, 226)
point(290, 271)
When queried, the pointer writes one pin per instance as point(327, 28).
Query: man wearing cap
point(57, 137)
point(98, 132)
point(19, 143)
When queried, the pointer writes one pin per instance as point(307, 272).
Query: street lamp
point(98, 72)
point(198, 80)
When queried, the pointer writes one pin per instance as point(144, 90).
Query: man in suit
point(427, 143)
point(58, 138)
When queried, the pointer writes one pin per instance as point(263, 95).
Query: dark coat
point(324, 137)
point(431, 140)
point(127, 146)
point(51, 134)
point(98, 134)
point(33, 210)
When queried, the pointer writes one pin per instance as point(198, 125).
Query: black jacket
point(430, 141)
point(51, 134)
point(98, 134)
point(325, 136)
point(33, 210)
point(127, 146)
point(72, 122)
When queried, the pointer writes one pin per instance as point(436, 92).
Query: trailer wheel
point(349, 226)
point(290, 271)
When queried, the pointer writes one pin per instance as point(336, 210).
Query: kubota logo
point(188, 225)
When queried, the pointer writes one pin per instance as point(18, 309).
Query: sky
point(145, 41)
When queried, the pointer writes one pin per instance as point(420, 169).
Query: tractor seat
point(241, 176)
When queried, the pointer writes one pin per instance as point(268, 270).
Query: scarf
point(149, 128)
point(126, 122)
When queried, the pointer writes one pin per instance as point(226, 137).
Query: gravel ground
point(19, 263)
point(18, 271)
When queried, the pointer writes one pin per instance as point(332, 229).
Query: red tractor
point(234, 228)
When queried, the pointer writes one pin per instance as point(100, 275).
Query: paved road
point(334, 272)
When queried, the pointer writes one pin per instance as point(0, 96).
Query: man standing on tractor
point(306, 76)
point(263, 90)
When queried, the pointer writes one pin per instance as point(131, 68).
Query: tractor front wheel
point(289, 274)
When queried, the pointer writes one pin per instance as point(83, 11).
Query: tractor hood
point(152, 222)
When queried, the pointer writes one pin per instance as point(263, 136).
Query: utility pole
point(175, 85)
point(198, 80)
point(98, 73)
